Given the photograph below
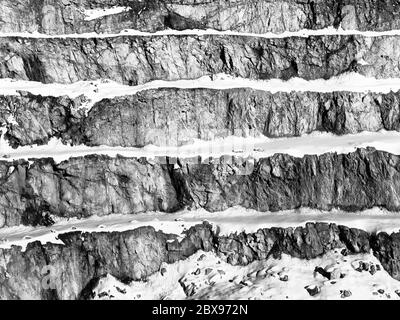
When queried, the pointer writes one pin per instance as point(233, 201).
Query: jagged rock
point(100, 185)
point(323, 272)
point(313, 290)
point(387, 249)
point(208, 271)
point(372, 270)
point(201, 258)
point(59, 17)
point(284, 278)
point(83, 258)
point(136, 60)
point(345, 293)
point(194, 114)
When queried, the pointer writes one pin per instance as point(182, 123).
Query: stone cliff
point(135, 60)
point(76, 265)
point(256, 16)
point(177, 116)
point(30, 193)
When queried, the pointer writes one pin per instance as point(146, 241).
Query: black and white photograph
point(200, 150)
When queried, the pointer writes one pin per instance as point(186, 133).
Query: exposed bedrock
point(135, 60)
point(177, 116)
point(30, 193)
point(258, 16)
point(72, 269)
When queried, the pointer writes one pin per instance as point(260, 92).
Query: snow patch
point(97, 90)
point(97, 13)
point(102, 89)
point(232, 220)
point(93, 14)
point(316, 143)
point(205, 276)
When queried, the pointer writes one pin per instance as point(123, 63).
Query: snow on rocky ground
point(205, 276)
point(92, 14)
point(101, 89)
point(236, 219)
point(98, 13)
point(315, 143)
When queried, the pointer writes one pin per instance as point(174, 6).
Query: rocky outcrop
point(178, 116)
point(354, 181)
point(136, 59)
point(32, 192)
point(70, 270)
point(258, 16)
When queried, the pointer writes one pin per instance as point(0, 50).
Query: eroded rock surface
point(99, 185)
point(73, 268)
point(257, 16)
point(178, 116)
point(136, 59)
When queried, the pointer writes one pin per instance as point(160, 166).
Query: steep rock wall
point(177, 116)
point(135, 60)
point(99, 185)
point(76, 265)
point(258, 16)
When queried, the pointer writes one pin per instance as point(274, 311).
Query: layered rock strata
point(256, 16)
point(177, 116)
point(135, 60)
point(71, 269)
point(32, 192)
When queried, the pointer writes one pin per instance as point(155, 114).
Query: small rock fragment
point(313, 290)
point(284, 278)
point(208, 271)
point(345, 293)
point(201, 258)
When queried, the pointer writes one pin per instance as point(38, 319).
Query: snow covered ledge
point(100, 89)
point(93, 14)
point(315, 143)
point(99, 13)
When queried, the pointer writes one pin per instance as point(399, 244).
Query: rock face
point(83, 187)
point(137, 59)
point(177, 116)
point(70, 270)
point(99, 185)
point(257, 16)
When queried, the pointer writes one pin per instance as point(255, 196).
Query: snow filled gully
point(316, 143)
point(95, 14)
point(232, 220)
point(104, 88)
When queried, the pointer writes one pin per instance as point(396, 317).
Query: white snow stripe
point(196, 32)
point(101, 89)
point(316, 143)
point(236, 219)
point(93, 14)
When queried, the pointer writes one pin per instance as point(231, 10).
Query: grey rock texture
point(354, 181)
point(30, 193)
point(177, 116)
point(82, 187)
point(135, 59)
point(76, 265)
point(257, 16)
